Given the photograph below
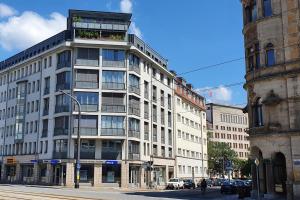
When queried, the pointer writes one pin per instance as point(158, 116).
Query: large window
point(270, 55)
point(62, 103)
point(134, 60)
point(88, 54)
point(61, 125)
point(267, 6)
point(89, 101)
point(112, 125)
point(63, 81)
point(113, 55)
point(60, 145)
point(113, 80)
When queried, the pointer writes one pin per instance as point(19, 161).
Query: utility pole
point(78, 139)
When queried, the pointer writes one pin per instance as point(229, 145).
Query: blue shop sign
point(111, 162)
point(34, 161)
point(54, 162)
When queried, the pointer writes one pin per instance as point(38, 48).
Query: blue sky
point(190, 34)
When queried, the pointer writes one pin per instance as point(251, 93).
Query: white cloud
point(6, 11)
point(19, 32)
point(221, 94)
point(126, 6)
point(135, 30)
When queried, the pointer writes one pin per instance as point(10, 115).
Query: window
point(113, 55)
point(113, 80)
point(267, 8)
point(270, 55)
point(257, 113)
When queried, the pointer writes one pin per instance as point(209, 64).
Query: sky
point(191, 34)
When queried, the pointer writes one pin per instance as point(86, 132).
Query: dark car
point(209, 183)
point(229, 187)
point(188, 183)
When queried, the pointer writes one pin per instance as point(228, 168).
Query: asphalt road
point(26, 192)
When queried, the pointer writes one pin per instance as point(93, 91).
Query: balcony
point(45, 112)
point(112, 132)
point(46, 90)
point(60, 131)
point(117, 64)
point(113, 108)
point(85, 154)
point(162, 101)
point(170, 142)
point(146, 135)
point(86, 85)
point(60, 155)
point(87, 34)
point(86, 62)
point(154, 99)
point(146, 115)
point(134, 68)
point(169, 124)
point(154, 138)
point(169, 106)
point(64, 64)
point(154, 117)
point(62, 108)
point(134, 133)
point(163, 140)
point(64, 86)
point(133, 156)
point(146, 94)
point(44, 133)
point(87, 108)
point(134, 111)
point(134, 89)
point(162, 121)
point(113, 86)
point(110, 154)
point(86, 131)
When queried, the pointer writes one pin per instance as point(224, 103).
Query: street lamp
point(78, 138)
point(256, 161)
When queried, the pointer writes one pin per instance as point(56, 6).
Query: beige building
point(191, 135)
point(228, 124)
point(271, 32)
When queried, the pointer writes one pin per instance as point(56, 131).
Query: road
point(23, 192)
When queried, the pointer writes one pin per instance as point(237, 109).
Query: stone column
point(167, 174)
point(97, 175)
point(69, 174)
point(49, 174)
point(36, 174)
point(18, 173)
point(124, 174)
point(142, 179)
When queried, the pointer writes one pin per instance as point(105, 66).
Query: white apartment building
point(191, 134)
point(125, 91)
point(229, 125)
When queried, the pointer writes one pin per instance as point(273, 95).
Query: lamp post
point(257, 177)
point(78, 138)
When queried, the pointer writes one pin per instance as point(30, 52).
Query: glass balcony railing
point(62, 108)
point(60, 155)
point(86, 131)
point(45, 133)
point(64, 64)
point(60, 131)
point(86, 84)
point(87, 108)
point(85, 154)
point(110, 154)
point(133, 156)
point(134, 89)
point(45, 112)
point(113, 108)
point(46, 90)
point(134, 133)
point(112, 132)
point(146, 135)
point(132, 110)
point(110, 63)
point(86, 62)
point(135, 68)
point(113, 86)
point(64, 86)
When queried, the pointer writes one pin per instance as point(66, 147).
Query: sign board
point(296, 161)
point(11, 160)
point(111, 162)
point(34, 161)
point(54, 162)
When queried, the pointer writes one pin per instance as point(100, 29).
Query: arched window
point(270, 55)
point(257, 113)
point(267, 6)
point(251, 12)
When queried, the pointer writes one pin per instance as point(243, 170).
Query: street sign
point(54, 162)
point(78, 166)
point(256, 162)
point(228, 165)
point(111, 162)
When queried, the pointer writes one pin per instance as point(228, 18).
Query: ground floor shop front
point(109, 173)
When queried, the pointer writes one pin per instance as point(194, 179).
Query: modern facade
point(125, 91)
point(229, 125)
point(191, 135)
point(271, 32)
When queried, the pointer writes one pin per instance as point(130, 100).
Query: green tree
point(217, 153)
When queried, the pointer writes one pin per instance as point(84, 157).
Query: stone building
point(125, 90)
point(271, 32)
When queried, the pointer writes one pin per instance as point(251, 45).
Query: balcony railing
point(146, 115)
point(111, 154)
point(60, 131)
point(163, 140)
point(86, 62)
point(134, 133)
point(162, 121)
point(45, 112)
point(86, 131)
point(86, 84)
point(134, 89)
point(87, 108)
point(85, 154)
point(146, 135)
point(154, 138)
point(109, 63)
point(113, 86)
point(63, 64)
point(45, 133)
point(134, 68)
point(62, 108)
point(170, 142)
point(154, 99)
point(64, 86)
point(46, 90)
point(146, 94)
point(133, 156)
point(134, 111)
point(162, 101)
point(60, 155)
point(112, 132)
point(169, 124)
point(154, 117)
point(169, 106)
point(113, 108)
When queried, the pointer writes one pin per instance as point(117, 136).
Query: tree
point(217, 153)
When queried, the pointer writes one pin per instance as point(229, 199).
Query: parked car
point(229, 187)
point(175, 183)
point(189, 183)
point(209, 183)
